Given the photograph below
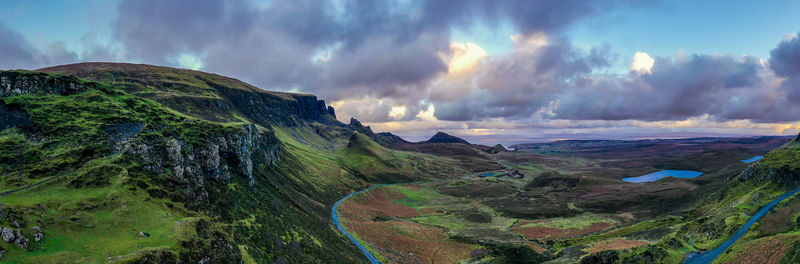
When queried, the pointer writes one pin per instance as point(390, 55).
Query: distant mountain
point(441, 137)
point(497, 149)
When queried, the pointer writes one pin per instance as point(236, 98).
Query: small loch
point(753, 159)
point(663, 174)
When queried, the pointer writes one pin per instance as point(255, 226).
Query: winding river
point(709, 256)
point(693, 258)
point(335, 215)
point(372, 259)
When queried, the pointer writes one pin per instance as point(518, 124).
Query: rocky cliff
point(152, 164)
point(205, 95)
point(24, 82)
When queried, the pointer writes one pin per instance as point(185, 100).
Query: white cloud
point(465, 57)
point(642, 63)
point(530, 42)
point(789, 37)
point(189, 61)
point(427, 115)
point(397, 112)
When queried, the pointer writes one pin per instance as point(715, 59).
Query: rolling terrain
point(571, 205)
point(131, 163)
point(150, 164)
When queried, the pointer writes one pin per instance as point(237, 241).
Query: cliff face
point(213, 161)
point(204, 95)
point(266, 108)
point(22, 82)
point(208, 169)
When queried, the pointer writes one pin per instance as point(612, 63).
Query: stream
point(709, 256)
point(693, 258)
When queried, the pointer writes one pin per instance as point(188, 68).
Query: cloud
point(785, 61)
point(517, 84)
point(465, 56)
point(19, 53)
point(785, 58)
point(394, 62)
point(679, 87)
point(335, 49)
point(16, 50)
point(398, 112)
point(642, 63)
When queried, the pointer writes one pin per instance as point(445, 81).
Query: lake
point(753, 159)
point(663, 174)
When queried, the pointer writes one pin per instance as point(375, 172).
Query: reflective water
point(663, 174)
point(709, 256)
point(753, 159)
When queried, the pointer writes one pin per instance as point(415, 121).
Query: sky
point(507, 71)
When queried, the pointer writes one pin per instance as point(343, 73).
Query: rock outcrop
point(14, 236)
point(38, 235)
point(266, 108)
point(204, 95)
point(331, 111)
point(19, 82)
point(218, 157)
point(761, 174)
point(386, 139)
point(13, 116)
point(7, 234)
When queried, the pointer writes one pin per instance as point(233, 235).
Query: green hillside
point(140, 167)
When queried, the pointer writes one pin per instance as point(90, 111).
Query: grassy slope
point(94, 213)
point(715, 221)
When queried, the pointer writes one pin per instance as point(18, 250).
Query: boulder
point(21, 241)
point(7, 234)
point(38, 236)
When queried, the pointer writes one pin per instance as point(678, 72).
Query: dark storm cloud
point(347, 49)
point(559, 81)
point(785, 61)
point(154, 30)
point(676, 88)
point(378, 48)
point(518, 84)
point(15, 50)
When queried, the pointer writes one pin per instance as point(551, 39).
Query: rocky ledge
point(23, 82)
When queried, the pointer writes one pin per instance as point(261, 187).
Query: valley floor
point(561, 208)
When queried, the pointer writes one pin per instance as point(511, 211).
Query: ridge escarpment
point(151, 164)
point(204, 95)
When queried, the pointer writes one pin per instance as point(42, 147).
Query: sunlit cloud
point(465, 57)
point(427, 115)
point(533, 41)
point(189, 61)
point(642, 63)
point(397, 112)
